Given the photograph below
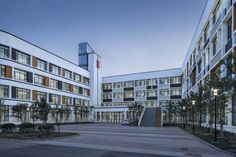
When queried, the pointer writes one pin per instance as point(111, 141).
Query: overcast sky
point(130, 35)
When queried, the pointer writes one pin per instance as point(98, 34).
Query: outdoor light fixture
point(193, 103)
point(215, 93)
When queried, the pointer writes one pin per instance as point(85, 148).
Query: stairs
point(148, 118)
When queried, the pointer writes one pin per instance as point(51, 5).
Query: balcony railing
point(216, 25)
point(216, 58)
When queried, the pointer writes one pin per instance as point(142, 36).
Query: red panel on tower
point(98, 64)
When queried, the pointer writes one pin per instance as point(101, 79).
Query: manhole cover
point(183, 148)
point(193, 155)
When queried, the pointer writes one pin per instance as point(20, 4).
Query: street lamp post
point(184, 116)
point(193, 103)
point(215, 93)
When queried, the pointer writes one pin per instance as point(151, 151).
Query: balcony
point(228, 45)
point(216, 58)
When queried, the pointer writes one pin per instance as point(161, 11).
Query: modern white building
point(151, 89)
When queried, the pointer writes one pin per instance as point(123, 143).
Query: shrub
point(46, 128)
point(26, 127)
point(8, 127)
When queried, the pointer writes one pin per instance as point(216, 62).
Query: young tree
point(1, 109)
point(44, 109)
point(19, 111)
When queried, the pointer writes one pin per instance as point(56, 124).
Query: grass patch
point(205, 134)
point(35, 135)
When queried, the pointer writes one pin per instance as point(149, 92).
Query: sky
point(130, 35)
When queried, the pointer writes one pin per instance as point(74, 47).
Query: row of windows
point(148, 93)
point(24, 58)
point(138, 83)
point(24, 94)
point(43, 81)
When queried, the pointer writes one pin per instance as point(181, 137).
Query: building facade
point(214, 41)
point(28, 73)
point(150, 89)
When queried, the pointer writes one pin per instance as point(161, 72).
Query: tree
point(200, 104)
point(1, 109)
point(135, 109)
point(43, 109)
point(171, 110)
point(19, 111)
point(34, 108)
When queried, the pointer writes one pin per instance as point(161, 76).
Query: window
point(22, 57)
point(139, 83)
point(128, 84)
point(4, 91)
point(39, 80)
point(76, 90)
point(86, 92)
point(107, 95)
point(175, 91)
point(164, 92)
point(85, 80)
point(155, 82)
point(149, 82)
point(164, 81)
point(216, 12)
point(23, 94)
point(175, 80)
point(140, 94)
point(85, 102)
point(41, 64)
point(68, 74)
point(40, 95)
point(151, 93)
point(54, 69)
point(67, 100)
point(66, 86)
point(77, 77)
point(214, 46)
point(117, 85)
point(54, 84)
point(2, 71)
point(118, 95)
point(20, 75)
point(206, 32)
point(107, 86)
point(128, 94)
point(55, 99)
point(229, 29)
point(4, 51)
point(77, 101)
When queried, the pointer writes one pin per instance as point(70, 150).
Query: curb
point(209, 144)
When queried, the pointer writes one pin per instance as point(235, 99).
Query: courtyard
point(113, 140)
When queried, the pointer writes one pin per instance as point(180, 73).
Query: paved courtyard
point(111, 140)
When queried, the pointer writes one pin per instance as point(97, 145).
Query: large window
point(41, 64)
point(22, 57)
point(149, 82)
point(128, 94)
point(118, 95)
point(77, 77)
point(107, 86)
point(4, 51)
point(117, 85)
point(54, 84)
point(54, 69)
point(23, 94)
point(39, 80)
point(68, 74)
point(86, 92)
point(216, 12)
point(164, 81)
point(214, 48)
point(139, 83)
point(140, 94)
point(66, 86)
point(151, 93)
point(4, 91)
point(2, 71)
point(85, 80)
point(164, 92)
point(54, 99)
point(40, 95)
point(20, 75)
point(175, 91)
point(128, 84)
point(175, 80)
point(77, 101)
point(107, 95)
point(67, 100)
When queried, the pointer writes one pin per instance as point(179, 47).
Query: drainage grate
point(184, 149)
point(193, 155)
